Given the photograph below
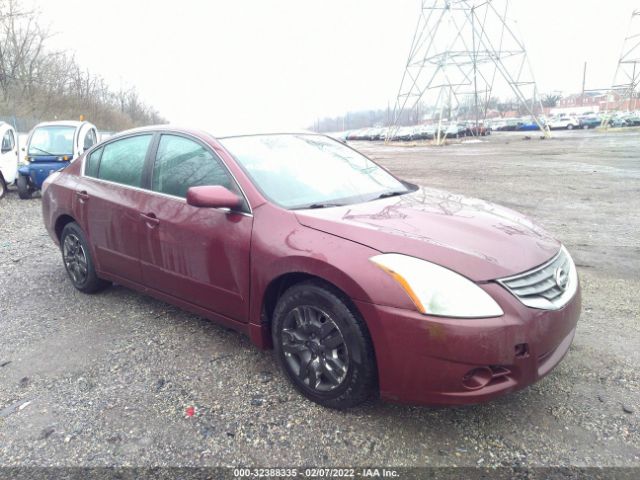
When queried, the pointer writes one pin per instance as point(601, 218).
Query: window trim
point(147, 171)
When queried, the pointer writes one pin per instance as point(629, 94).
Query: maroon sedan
point(362, 283)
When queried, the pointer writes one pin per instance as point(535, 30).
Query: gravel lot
point(105, 379)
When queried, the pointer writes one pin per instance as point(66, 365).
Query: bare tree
point(43, 84)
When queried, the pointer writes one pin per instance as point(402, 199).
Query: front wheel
point(323, 347)
point(25, 190)
point(77, 259)
point(569, 127)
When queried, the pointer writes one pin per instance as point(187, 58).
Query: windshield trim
point(342, 201)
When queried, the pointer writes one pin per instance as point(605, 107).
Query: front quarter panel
point(281, 245)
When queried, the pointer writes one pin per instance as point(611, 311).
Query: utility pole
point(459, 48)
point(584, 80)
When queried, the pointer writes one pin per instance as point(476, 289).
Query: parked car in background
point(632, 119)
point(424, 132)
point(8, 157)
point(50, 147)
point(364, 284)
point(527, 125)
point(455, 130)
point(615, 121)
point(563, 123)
point(509, 125)
point(590, 121)
point(479, 130)
point(404, 134)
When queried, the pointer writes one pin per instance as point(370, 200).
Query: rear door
point(200, 255)
point(8, 153)
point(108, 200)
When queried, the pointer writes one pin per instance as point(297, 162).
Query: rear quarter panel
point(58, 198)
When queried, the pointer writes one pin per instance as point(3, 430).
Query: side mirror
point(212, 197)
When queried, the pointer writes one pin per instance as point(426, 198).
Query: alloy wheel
point(314, 348)
point(75, 259)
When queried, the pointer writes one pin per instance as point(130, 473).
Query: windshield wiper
point(324, 205)
point(394, 193)
point(43, 151)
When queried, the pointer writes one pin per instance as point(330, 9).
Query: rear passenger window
point(92, 163)
point(123, 160)
point(182, 163)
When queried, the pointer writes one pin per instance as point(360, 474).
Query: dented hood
point(477, 239)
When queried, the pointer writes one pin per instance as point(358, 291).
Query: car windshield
point(310, 171)
point(52, 140)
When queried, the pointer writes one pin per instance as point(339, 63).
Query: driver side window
point(182, 163)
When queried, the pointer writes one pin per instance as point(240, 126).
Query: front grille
point(549, 286)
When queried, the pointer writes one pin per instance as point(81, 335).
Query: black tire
point(569, 127)
point(25, 190)
point(3, 186)
point(77, 260)
point(319, 339)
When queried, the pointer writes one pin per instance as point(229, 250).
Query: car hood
point(477, 239)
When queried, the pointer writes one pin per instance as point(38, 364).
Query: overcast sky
point(246, 65)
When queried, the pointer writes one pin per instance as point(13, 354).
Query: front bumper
point(39, 171)
point(427, 360)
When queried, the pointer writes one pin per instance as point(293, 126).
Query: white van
point(8, 157)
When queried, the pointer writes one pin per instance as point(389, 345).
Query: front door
point(200, 255)
point(108, 201)
point(8, 153)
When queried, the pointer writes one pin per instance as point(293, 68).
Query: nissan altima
point(363, 284)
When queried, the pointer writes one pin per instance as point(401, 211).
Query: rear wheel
point(323, 347)
point(76, 256)
point(569, 127)
point(3, 186)
point(25, 190)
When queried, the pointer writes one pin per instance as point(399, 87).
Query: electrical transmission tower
point(627, 77)
point(464, 54)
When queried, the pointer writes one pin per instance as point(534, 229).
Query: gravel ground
point(106, 379)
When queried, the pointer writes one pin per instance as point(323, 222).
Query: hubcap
point(75, 259)
point(314, 348)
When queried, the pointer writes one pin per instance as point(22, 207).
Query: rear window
point(122, 161)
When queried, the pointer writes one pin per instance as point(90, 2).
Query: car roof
point(197, 132)
point(61, 123)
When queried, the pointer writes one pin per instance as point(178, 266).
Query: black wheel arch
point(276, 288)
point(61, 222)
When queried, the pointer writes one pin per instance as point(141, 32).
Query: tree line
point(39, 84)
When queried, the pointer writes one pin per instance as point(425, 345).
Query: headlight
point(436, 290)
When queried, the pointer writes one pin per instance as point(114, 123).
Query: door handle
point(82, 196)
point(150, 219)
